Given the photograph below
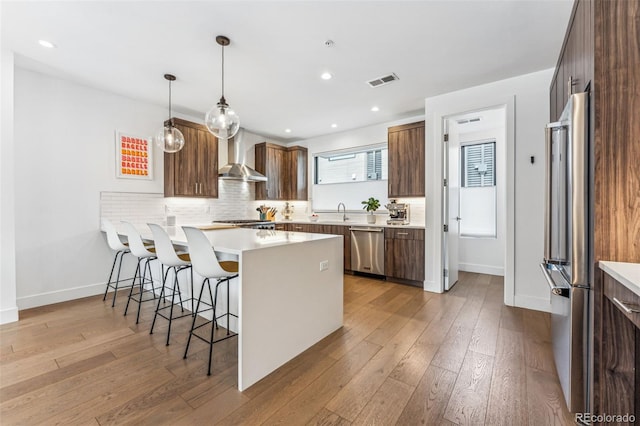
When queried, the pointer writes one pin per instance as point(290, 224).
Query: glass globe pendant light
point(221, 120)
point(169, 138)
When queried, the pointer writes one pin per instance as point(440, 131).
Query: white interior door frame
point(434, 135)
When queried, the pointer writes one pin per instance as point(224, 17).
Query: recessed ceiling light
point(45, 43)
point(334, 125)
point(287, 130)
point(375, 109)
point(326, 76)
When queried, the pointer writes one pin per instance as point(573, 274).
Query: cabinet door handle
point(402, 233)
point(626, 308)
point(196, 184)
point(298, 227)
point(200, 188)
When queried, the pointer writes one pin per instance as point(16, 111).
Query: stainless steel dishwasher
point(367, 249)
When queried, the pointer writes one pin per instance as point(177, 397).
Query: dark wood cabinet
point(285, 169)
point(574, 70)
point(619, 347)
point(327, 229)
point(297, 173)
point(192, 171)
point(404, 255)
point(406, 160)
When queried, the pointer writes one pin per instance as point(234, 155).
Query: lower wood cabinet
point(404, 255)
point(404, 249)
point(618, 353)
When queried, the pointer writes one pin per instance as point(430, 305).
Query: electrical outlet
point(324, 265)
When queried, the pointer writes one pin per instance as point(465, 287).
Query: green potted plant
point(371, 205)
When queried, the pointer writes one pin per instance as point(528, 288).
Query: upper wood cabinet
point(285, 169)
point(297, 169)
point(406, 160)
point(192, 171)
point(574, 70)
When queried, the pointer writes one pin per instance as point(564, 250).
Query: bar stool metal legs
point(115, 285)
point(213, 321)
point(163, 296)
point(141, 275)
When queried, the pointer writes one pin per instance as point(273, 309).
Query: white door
point(451, 204)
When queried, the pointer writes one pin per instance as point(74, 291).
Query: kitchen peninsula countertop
point(236, 240)
point(628, 274)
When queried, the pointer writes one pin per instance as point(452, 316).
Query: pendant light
point(169, 138)
point(221, 120)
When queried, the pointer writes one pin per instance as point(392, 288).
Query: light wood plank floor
point(403, 357)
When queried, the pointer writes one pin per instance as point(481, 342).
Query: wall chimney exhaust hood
point(235, 168)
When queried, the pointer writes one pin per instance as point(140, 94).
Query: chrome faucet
point(344, 211)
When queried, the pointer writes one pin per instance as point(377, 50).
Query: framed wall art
point(134, 157)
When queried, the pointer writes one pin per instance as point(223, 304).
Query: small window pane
point(478, 165)
point(361, 166)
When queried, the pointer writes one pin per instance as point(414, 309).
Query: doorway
point(474, 212)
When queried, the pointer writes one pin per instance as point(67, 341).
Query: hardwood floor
point(403, 357)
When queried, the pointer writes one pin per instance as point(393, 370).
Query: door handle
point(458, 218)
point(555, 289)
point(634, 310)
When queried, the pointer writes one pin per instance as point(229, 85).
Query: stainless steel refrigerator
point(566, 248)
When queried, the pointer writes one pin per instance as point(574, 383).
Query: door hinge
point(446, 228)
point(445, 273)
point(446, 137)
point(445, 182)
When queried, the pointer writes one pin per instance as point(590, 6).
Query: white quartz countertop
point(236, 240)
point(627, 274)
point(378, 224)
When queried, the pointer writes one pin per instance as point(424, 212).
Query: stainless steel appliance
point(398, 213)
point(249, 223)
point(367, 250)
point(566, 247)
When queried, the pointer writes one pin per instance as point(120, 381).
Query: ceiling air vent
point(470, 120)
point(381, 81)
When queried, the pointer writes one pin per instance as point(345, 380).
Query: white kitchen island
point(286, 302)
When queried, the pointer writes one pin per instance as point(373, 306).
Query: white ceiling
point(278, 52)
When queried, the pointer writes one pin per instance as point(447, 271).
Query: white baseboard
point(535, 303)
point(432, 286)
point(9, 315)
point(58, 296)
point(481, 269)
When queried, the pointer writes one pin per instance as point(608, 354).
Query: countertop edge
point(628, 274)
point(337, 223)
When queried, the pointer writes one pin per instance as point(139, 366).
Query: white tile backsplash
point(236, 201)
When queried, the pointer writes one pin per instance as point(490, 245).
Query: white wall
point(486, 255)
point(8, 307)
point(64, 157)
point(527, 100)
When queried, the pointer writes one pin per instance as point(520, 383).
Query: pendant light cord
point(223, 71)
point(169, 99)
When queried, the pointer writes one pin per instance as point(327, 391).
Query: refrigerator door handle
point(555, 289)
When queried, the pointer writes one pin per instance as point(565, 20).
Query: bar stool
point(205, 262)
point(144, 253)
point(173, 262)
point(121, 248)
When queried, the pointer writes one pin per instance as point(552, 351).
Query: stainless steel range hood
point(235, 168)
